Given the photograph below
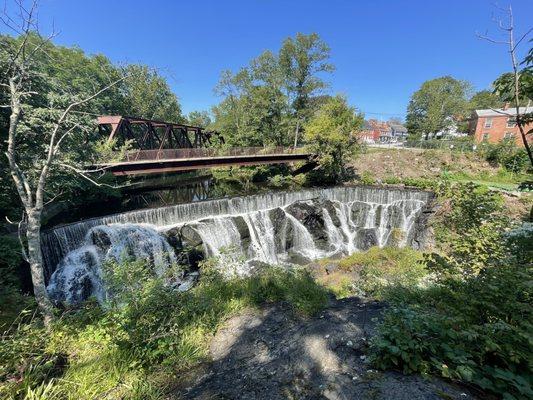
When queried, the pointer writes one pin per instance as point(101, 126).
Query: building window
point(488, 122)
point(511, 122)
point(485, 137)
point(508, 135)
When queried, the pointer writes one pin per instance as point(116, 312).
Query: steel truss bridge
point(162, 147)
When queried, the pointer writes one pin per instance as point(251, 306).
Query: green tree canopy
point(438, 103)
point(331, 134)
point(484, 99)
point(148, 95)
point(265, 102)
point(59, 74)
point(199, 118)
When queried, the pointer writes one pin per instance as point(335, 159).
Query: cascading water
point(276, 228)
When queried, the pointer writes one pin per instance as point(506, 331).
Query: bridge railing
point(168, 154)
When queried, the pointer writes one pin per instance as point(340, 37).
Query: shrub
point(474, 322)
point(367, 178)
point(381, 269)
point(144, 335)
point(478, 331)
point(506, 154)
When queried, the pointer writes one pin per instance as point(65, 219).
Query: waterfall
point(274, 228)
point(79, 275)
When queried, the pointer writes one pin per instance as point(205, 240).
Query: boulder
point(309, 213)
point(366, 238)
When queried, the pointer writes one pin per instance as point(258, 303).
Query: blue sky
point(383, 49)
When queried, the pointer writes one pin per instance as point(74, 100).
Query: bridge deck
point(145, 162)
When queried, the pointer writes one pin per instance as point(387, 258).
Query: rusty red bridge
point(161, 147)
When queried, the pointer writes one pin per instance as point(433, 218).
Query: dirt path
point(272, 354)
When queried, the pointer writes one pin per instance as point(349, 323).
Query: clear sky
point(383, 49)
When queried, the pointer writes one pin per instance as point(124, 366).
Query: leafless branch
point(489, 39)
point(84, 175)
point(522, 38)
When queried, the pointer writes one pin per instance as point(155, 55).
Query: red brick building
point(494, 125)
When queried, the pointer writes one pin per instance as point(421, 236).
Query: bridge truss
point(147, 134)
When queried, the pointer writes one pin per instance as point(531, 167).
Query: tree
point(504, 86)
point(519, 84)
point(199, 118)
point(483, 100)
point(331, 134)
point(437, 104)
point(266, 101)
point(58, 131)
point(149, 96)
point(301, 60)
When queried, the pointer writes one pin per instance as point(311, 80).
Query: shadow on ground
point(273, 354)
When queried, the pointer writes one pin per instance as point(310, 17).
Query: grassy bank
point(137, 349)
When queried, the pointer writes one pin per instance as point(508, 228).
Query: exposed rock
point(272, 354)
point(366, 238)
point(309, 213)
point(244, 232)
point(190, 237)
point(282, 230)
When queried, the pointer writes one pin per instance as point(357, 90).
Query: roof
point(398, 128)
point(498, 112)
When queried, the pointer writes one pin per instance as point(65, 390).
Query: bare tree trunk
point(296, 133)
point(516, 73)
point(35, 259)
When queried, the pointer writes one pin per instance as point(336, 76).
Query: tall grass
point(145, 337)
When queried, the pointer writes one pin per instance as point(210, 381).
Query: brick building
point(374, 131)
point(494, 125)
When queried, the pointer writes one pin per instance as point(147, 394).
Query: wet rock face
point(309, 213)
point(282, 230)
point(366, 238)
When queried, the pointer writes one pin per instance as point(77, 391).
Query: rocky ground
point(273, 354)
point(417, 163)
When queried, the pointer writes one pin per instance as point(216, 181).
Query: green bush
point(381, 269)
point(367, 178)
point(477, 331)
point(469, 231)
point(473, 321)
point(506, 154)
point(145, 333)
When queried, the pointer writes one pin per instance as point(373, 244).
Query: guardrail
point(169, 154)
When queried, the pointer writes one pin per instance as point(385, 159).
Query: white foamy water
point(273, 228)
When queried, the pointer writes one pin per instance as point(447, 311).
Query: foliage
point(504, 86)
point(146, 333)
point(473, 320)
point(367, 178)
point(506, 154)
point(58, 75)
point(301, 60)
point(437, 104)
point(199, 118)
point(477, 331)
point(266, 102)
point(469, 230)
point(148, 95)
point(331, 135)
point(380, 269)
point(484, 99)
